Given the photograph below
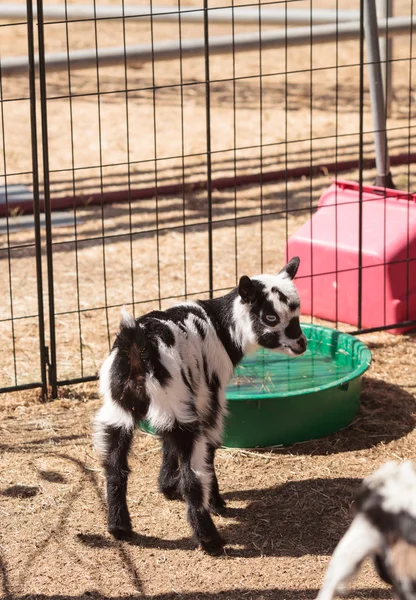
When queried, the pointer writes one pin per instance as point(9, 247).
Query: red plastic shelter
point(328, 246)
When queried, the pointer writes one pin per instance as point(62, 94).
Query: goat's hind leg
point(169, 475)
point(217, 504)
point(114, 430)
point(196, 477)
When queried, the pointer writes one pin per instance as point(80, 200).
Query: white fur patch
point(242, 331)
point(200, 468)
point(168, 403)
point(105, 375)
point(215, 434)
point(111, 413)
point(396, 484)
point(127, 320)
point(362, 539)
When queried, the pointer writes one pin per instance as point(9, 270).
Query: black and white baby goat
point(384, 529)
point(172, 367)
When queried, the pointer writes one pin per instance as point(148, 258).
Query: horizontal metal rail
point(21, 388)
point(171, 50)
point(239, 14)
point(219, 183)
point(403, 325)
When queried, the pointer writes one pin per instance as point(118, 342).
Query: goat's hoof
point(214, 547)
point(218, 506)
point(121, 532)
point(171, 493)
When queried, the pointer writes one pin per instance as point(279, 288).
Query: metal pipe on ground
point(97, 198)
point(240, 14)
point(171, 50)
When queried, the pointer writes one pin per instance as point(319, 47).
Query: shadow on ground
point(250, 594)
point(20, 491)
point(285, 520)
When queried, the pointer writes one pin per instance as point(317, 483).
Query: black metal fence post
point(209, 150)
point(361, 167)
point(47, 203)
point(36, 197)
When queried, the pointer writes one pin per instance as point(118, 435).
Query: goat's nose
point(302, 342)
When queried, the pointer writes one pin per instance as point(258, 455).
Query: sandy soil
point(287, 508)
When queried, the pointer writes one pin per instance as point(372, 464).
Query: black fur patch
point(381, 568)
point(128, 371)
point(399, 524)
point(258, 313)
point(293, 330)
point(294, 305)
point(260, 287)
point(154, 331)
point(186, 381)
point(178, 314)
point(206, 372)
point(184, 329)
point(365, 496)
point(369, 502)
point(262, 305)
point(169, 474)
point(201, 331)
point(157, 330)
point(270, 339)
point(214, 406)
point(407, 527)
point(205, 532)
point(282, 297)
point(117, 443)
point(213, 384)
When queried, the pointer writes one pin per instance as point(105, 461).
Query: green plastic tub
point(274, 399)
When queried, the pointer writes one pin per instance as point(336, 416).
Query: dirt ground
point(287, 508)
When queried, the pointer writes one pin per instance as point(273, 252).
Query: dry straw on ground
point(287, 507)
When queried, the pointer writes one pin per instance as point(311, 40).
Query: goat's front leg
point(113, 442)
point(196, 483)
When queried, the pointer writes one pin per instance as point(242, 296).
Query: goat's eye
point(271, 318)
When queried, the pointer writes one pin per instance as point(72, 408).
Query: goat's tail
point(122, 376)
point(122, 384)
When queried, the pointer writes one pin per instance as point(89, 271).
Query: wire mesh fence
point(177, 148)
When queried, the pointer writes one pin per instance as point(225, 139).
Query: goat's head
point(271, 306)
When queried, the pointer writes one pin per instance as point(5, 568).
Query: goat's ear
point(291, 268)
point(247, 290)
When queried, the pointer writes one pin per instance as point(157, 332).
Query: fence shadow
point(234, 594)
point(275, 92)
